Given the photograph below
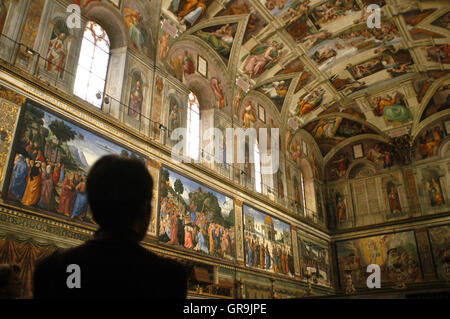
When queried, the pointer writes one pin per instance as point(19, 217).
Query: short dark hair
point(116, 189)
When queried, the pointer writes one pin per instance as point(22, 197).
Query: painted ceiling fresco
point(320, 64)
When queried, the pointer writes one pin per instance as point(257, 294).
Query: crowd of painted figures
point(39, 182)
point(267, 255)
point(314, 264)
point(194, 230)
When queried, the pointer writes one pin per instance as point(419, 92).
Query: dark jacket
point(111, 267)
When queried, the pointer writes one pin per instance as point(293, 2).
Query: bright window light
point(193, 127)
point(92, 66)
point(257, 159)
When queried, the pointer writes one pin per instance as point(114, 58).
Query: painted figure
point(56, 54)
point(164, 46)
point(392, 109)
point(430, 141)
point(191, 10)
point(80, 206)
point(342, 165)
point(137, 32)
point(261, 58)
point(188, 64)
point(136, 99)
point(66, 196)
point(33, 189)
point(248, 116)
point(341, 207)
point(309, 102)
point(394, 200)
point(221, 39)
point(435, 192)
point(216, 86)
point(46, 188)
point(19, 177)
point(174, 115)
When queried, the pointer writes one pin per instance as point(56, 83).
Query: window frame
point(92, 75)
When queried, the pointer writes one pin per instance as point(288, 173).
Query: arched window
point(257, 159)
point(193, 127)
point(92, 66)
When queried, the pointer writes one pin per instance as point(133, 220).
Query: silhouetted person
point(113, 264)
point(9, 281)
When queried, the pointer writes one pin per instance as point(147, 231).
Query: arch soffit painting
point(431, 120)
point(209, 54)
point(200, 87)
point(289, 94)
point(350, 141)
point(444, 148)
point(111, 20)
point(352, 118)
point(360, 163)
point(265, 102)
point(417, 125)
point(312, 144)
point(241, 20)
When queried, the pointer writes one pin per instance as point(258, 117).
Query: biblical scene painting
point(195, 217)
point(189, 12)
point(276, 91)
point(443, 21)
point(51, 161)
point(305, 22)
point(438, 54)
point(268, 243)
point(414, 18)
point(379, 153)
point(255, 22)
point(327, 51)
point(329, 132)
point(396, 254)
point(352, 109)
point(440, 244)
point(220, 38)
point(314, 261)
point(305, 76)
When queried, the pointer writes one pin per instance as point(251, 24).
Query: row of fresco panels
point(197, 218)
point(49, 161)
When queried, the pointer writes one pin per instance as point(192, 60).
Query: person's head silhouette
point(119, 193)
